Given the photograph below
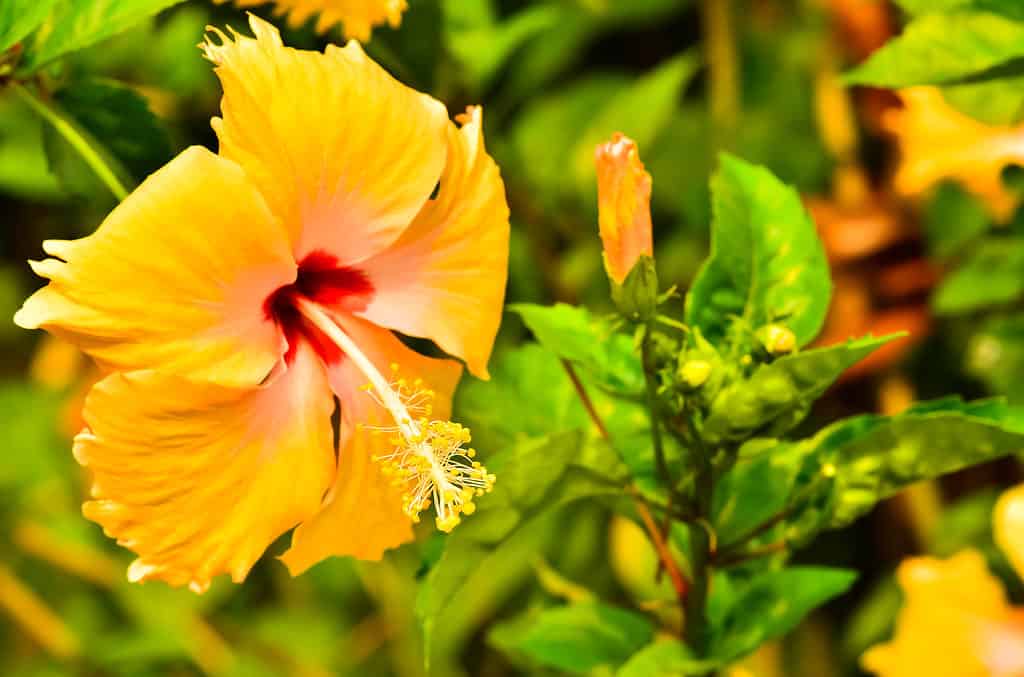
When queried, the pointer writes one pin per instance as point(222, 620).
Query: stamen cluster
point(430, 460)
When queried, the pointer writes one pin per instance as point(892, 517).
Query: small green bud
point(777, 339)
point(694, 373)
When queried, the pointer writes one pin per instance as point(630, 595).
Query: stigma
point(431, 460)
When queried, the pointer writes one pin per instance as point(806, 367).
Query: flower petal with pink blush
point(362, 516)
point(174, 279)
point(343, 153)
point(444, 278)
point(956, 601)
point(198, 479)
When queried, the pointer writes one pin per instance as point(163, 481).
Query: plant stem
point(75, 139)
point(666, 561)
point(588, 404)
point(679, 584)
point(652, 404)
point(702, 549)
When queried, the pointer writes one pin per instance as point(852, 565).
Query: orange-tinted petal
point(624, 206)
point(955, 604)
point(174, 279)
point(344, 153)
point(939, 143)
point(363, 516)
point(444, 279)
point(199, 479)
point(358, 17)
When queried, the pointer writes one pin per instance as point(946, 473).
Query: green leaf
point(940, 48)
point(666, 658)
point(75, 24)
point(119, 118)
point(640, 110)
point(996, 356)
point(992, 274)
point(873, 457)
point(762, 484)
point(767, 263)
point(995, 101)
point(779, 394)
point(926, 6)
point(773, 604)
point(18, 18)
point(534, 477)
point(953, 219)
point(482, 45)
point(573, 334)
point(581, 637)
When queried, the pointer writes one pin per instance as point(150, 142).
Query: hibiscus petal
point(363, 516)
point(199, 479)
point(957, 600)
point(444, 278)
point(358, 16)
point(344, 153)
point(938, 143)
point(174, 279)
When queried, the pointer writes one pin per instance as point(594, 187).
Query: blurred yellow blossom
point(956, 620)
point(939, 143)
point(357, 17)
point(232, 297)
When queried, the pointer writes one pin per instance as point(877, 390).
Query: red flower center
point(320, 279)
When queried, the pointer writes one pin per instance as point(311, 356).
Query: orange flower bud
point(624, 206)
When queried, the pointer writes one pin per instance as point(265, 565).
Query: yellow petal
point(444, 279)
point(358, 17)
point(938, 143)
point(624, 206)
point(1008, 526)
point(955, 604)
point(363, 516)
point(198, 479)
point(174, 279)
point(344, 153)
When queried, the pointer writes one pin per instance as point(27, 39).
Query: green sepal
point(637, 296)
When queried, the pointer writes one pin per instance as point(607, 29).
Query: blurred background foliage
point(685, 79)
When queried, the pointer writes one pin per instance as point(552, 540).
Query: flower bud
point(777, 339)
point(624, 206)
point(695, 373)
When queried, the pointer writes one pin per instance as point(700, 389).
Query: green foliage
point(537, 475)
point(778, 395)
point(573, 334)
point(773, 603)
point(18, 18)
point(581, 637)
point(75, 24)
point(942, 47)
point(117, 118)
point(989, 276)
point(995, 354)
point(766, 262)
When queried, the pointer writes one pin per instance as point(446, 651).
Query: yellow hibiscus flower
point(956, 620)
point(232, 298)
